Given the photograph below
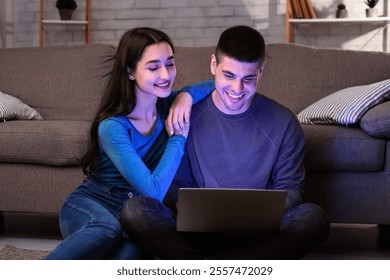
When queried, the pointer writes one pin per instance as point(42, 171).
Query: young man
point(237, 138)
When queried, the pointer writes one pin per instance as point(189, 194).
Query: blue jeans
point(153, 225)
point(89, 223)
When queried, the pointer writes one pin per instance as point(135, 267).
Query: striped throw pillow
point(346, 106)
point(12, 108)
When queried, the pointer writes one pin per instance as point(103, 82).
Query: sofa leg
point(383, 237)
point(2, 226)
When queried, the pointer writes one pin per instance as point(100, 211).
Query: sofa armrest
point(376, 121)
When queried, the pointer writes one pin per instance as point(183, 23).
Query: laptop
point(228, 210)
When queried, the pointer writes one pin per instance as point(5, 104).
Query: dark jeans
point(153, 226)
point(89, 221)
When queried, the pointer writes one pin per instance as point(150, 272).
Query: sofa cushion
point(346, 106)
point(12, 108)
point(199, 69)
point(60, 82)
point(299, 75)
point(44, 142)
point(338, 148)
point(376, 122)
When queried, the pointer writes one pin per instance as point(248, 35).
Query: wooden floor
point(345, 241)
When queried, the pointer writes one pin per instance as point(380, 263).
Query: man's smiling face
point(235, 83)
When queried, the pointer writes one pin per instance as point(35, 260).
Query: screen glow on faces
point(155, 71)
point(235, 84)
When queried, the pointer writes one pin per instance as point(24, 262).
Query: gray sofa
point(348, 171)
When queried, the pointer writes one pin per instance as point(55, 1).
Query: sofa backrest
point(64, 82)
point(67, 82)
point(192, 64)
point(297, 75)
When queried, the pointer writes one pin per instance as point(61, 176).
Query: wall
point(195, 22)
point(6, 23)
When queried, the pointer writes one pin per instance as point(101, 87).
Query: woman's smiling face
point(155, 71)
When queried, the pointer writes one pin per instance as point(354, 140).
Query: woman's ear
point(131, 77)
point(213, 64)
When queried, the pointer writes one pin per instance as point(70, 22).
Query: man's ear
point(260, 73)
point(213, 64)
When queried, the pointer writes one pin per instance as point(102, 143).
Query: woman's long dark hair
point(119, 97)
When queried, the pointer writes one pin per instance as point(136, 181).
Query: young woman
point(131, 151)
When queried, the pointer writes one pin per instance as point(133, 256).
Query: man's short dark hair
point(241, 43)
